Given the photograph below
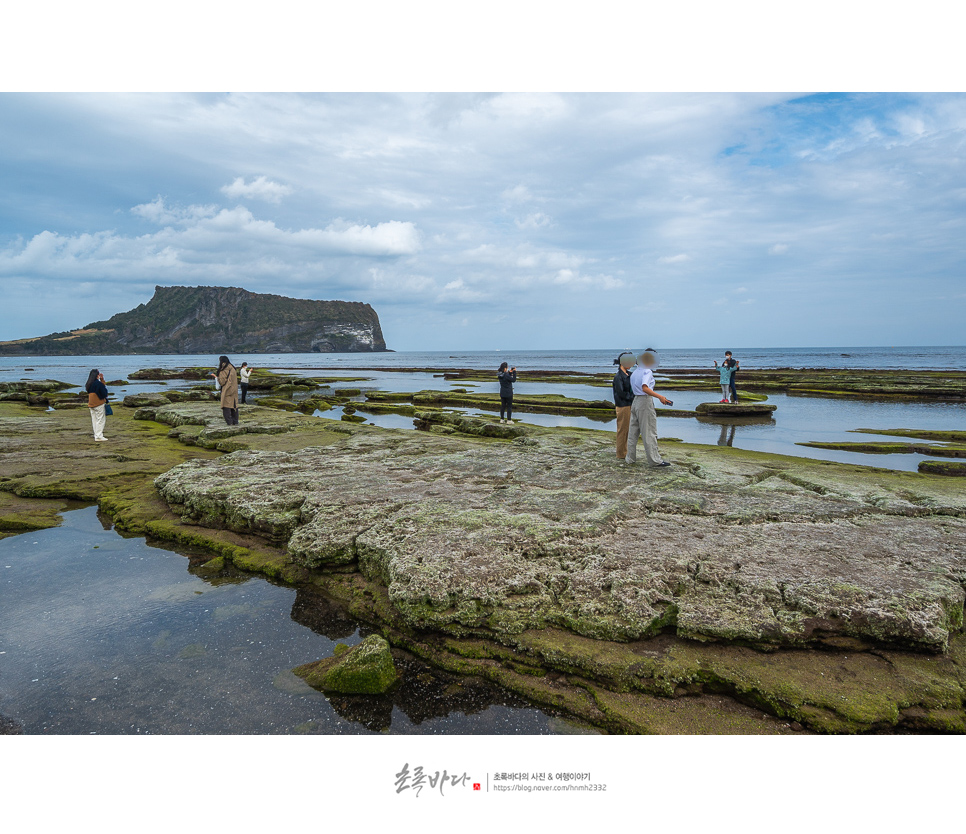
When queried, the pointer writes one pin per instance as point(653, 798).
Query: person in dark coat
point(507, 377)
point(97, 402)
point(623, 399)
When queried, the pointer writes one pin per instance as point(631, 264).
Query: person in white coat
point(643, 413)
point(244, 375)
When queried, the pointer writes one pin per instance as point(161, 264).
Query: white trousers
point(643, 425)
point(98, 418)
point(726, 391)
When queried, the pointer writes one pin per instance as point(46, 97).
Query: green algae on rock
point(873, 448)
point(365, 669)
point(34, 386)
point(942, 467)
point(735, 409)
point(920, 434)
point(142, 400)
point(501, 538)
point(859, 567)
point(430, 420)
point(600, 410)
point(860, 383)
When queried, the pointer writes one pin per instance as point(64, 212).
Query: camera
point(670, 402)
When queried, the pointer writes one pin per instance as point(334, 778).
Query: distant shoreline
point(561, 361)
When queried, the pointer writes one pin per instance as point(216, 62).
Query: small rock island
point(217, 320)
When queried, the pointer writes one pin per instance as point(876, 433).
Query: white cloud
point(158, 212)
point(457, 290)
point(400, 198)
point(537, 220)
point(572, 278)
point(199, 242)
point(260, 188)
point(522, 256)
point(778, 249)
point(674, 259)
point(517, 194)
point(527, 105)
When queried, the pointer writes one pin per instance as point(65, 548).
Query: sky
point(500, 221)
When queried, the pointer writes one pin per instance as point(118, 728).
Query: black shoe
point(661, 465)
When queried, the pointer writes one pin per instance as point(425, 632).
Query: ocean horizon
point(585, 361)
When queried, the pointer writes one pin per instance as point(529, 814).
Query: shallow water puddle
point(105, 634)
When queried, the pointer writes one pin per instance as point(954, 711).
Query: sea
point(70, 368)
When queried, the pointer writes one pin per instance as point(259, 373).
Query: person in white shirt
point(643, 412)
point(244, 374)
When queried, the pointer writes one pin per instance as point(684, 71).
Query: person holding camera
point(643, 413)
point(244, 375)
point(507, 377)
point(97, 396)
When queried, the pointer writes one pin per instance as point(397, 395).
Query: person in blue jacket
point(507, 377)
point(726, 374)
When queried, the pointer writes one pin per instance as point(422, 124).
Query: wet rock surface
point(632, 600)
point(735, 409)
point(504, 537)
point(942, 467)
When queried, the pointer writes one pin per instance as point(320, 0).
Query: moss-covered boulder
point(279, 403)
point(366, 669)
point(194, 395)
point(156, 374)
point(428, 420)
point(215, 565)
point(893, 448)
point(404, 409)
point(943, 467)
point(34, 386)
point(145, 400)
point(739, 409)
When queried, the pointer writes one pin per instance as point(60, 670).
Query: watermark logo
point(419, 778)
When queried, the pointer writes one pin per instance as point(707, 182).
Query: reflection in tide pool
point(104, 634)
point(797, 420)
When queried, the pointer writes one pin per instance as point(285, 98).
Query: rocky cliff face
point(219, 320)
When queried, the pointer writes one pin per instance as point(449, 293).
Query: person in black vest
point(507, 377)
point(623, 399)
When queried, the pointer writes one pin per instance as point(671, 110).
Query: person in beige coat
point(228, 382)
